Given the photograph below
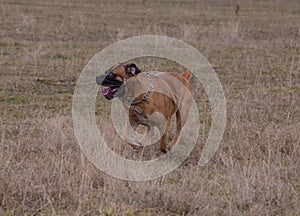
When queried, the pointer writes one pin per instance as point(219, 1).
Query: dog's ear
point(132, 69)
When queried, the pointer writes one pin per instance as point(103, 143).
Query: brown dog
point(147, 95)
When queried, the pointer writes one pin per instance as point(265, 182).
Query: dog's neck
point(137, 85)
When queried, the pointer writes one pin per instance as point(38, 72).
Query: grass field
point(45, 46)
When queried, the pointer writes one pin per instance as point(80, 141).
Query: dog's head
point(114, 79)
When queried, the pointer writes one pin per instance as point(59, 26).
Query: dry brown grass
point(44, 47)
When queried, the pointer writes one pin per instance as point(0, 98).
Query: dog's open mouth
point(109, 92)
point(114, 88)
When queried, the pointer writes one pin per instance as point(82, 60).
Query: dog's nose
point(99, 79)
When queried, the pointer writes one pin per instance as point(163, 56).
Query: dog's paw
point(139, 143)
point(135, 144)
point(164, 150)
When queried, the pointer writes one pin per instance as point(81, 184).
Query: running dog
point(145, 95)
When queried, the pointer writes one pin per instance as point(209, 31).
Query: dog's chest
point(138, 115)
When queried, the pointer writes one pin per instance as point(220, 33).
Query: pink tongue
point(105, 91)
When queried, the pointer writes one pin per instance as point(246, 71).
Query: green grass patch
point(296, 12)
point(13, 99)
point(243, 207)
point(60, 56)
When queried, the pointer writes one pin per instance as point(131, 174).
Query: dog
point(152, 100)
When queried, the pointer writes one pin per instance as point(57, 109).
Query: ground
point(45, 46)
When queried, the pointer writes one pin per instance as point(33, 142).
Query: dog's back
point(183, 78)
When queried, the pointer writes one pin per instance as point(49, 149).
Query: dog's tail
point(187, 74)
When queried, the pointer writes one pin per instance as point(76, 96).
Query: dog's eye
point(111, 74)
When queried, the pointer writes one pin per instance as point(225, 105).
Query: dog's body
point(166, 93)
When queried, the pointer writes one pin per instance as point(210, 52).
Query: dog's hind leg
point(163, 141)
point(180, 122)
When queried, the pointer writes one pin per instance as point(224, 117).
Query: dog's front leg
point(129, 130)
point(148, 136)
